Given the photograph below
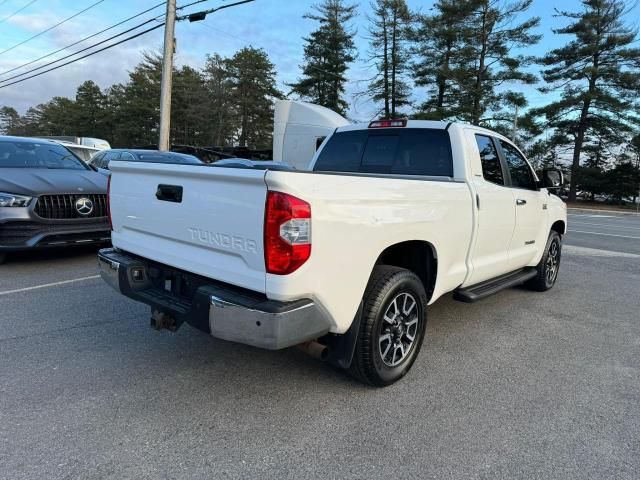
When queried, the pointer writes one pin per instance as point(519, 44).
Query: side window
point(109, 156)
point(521, 175)
point(491, 167)
point(96, 161)
point(127, 157)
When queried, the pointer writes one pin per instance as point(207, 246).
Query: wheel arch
point(418, 256)
point(559, 226)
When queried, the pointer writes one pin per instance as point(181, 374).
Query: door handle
point(520, 201)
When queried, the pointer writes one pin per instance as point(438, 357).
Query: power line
point(79, 51)
point(185, 17)
point(52, 27)
point(81, 40)
point(89, 47)
point(87, 55)
point(197, 16)
point(18, 11)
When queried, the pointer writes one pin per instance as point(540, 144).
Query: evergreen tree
point(439, 66)
point(491, 35)
point(89, 111)
point(10, 122)
point(138, 104)
point(31, 121)
point(327, 54)
point(252, 90)
point(56, 117)
point(222, 122)
point(389, 33)
point(477, 39)
point(189, 108)
point(599, 74)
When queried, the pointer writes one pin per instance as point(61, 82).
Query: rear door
point(496, 213)
point(206, 220)
point(530, 206)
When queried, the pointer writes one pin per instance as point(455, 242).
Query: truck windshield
point(399, 151)
point(38, 155)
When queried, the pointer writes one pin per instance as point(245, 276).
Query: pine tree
point(327, 54)
point(491, 35)
point(89, 111)
point(10, 122)
point(598, 72)
point(222, 124)
point(252, 90)
point(56, 117)
point(189, 108)
point(389, 35)
point(138, 109)
point(438, 44)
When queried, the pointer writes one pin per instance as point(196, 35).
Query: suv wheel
point(392, 327)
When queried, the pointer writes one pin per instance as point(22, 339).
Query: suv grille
point(64, 206)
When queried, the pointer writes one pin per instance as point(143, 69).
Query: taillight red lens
point(109, 201)
point(287, 233)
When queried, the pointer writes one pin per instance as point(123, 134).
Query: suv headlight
point(12, 200)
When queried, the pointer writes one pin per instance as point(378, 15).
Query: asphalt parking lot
point(521, 385)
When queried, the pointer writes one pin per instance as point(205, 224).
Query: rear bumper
point(224, 311)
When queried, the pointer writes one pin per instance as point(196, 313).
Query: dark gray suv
point(48, 197)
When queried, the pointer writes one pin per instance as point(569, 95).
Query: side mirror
point(552, 178)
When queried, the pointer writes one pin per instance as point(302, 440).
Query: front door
point(530, 206)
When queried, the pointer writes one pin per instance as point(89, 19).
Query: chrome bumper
point(224, 311)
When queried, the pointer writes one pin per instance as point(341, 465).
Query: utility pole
point(167, 73)
point(515, 126)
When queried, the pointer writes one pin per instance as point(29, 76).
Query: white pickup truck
point(344, 258)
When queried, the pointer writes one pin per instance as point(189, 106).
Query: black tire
point(3, 257)
point(388, 285)
point(549, 266)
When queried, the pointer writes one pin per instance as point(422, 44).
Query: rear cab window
point(396, 151)
point(491, 165)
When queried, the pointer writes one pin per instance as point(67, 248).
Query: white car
point(391, 216)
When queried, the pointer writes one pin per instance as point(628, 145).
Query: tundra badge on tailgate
point(223, 240)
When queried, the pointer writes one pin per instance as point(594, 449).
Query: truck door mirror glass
point(552, 178)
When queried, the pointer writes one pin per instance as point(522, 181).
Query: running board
point(489, 287)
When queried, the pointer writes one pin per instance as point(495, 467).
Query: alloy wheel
point(399, 329)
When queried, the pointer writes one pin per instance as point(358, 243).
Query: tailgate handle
point(169, 193)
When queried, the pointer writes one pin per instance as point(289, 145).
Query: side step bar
point(489, 287)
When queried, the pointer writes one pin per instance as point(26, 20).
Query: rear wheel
point(392, 326)
point(549, 266)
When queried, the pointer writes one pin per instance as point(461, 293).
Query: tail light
point(109, 201)
point(287, 233)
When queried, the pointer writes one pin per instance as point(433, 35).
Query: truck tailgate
point(206, 220)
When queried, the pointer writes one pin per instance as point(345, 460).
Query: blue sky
point(275, 25)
